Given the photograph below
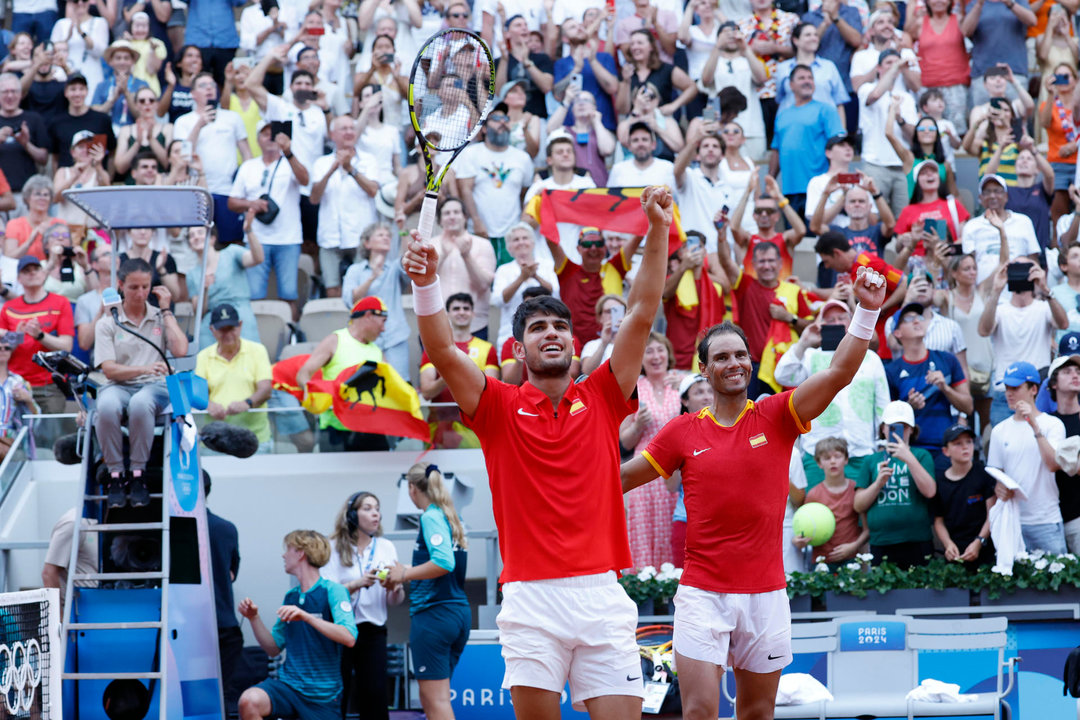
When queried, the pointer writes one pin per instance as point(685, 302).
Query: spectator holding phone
point(840, 152)
point(685, 297)
point(767, 210)
point(931, 382)
point(861, 199)
point(1022, 328)
point(999, 235)
point(610, 310)
point(587, 70)
point(894, 490)
point(1056, 118)
point(852, 415)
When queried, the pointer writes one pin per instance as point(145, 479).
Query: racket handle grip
point(427, 215)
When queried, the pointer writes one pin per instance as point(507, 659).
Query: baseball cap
point(955, 431)
point(510, 86)
point(640, 126)
point(26, 261)
point(511, 19)
point(886, 54)
point(224, 315)
point(76, 79)
point(925, 163)
point(689, 381)
point(995, 178)
point(501, 107)
point(590, 233)
point(1019, 373)
point(1069, 344)
point(370, 304)
point(1061, 361)
point(842, 138)
point(910, 307)
point(81, 136)
point(727, 24)
point(898, 411)
point(833, 303)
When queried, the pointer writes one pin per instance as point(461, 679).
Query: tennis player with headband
point(731, 607)
point(550, 445)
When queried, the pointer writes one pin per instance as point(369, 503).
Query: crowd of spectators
point(934, 141)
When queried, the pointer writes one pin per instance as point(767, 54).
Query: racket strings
point(450, 89)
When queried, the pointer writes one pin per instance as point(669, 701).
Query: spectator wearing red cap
point(352, 345)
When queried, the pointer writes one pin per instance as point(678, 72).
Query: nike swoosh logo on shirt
point(698, 452)
point(521, 411)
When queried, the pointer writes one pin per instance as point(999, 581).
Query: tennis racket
point(451, 92)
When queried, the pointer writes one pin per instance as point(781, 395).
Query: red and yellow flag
point(615, 209)
point(380, 402)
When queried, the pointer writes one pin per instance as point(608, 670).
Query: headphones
point(352, 520)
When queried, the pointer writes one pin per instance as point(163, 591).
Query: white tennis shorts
point(749, 631)
point(579, 629)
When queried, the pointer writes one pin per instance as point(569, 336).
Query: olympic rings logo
point(21, 675)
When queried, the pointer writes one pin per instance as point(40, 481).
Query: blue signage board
point(872, 635)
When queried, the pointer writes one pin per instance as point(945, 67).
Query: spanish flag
point(781, 336)
point(615, 209)
point(377, 400)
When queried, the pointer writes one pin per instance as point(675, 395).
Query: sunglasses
point(591, 243)
point(911, 317)
point(926, 128)
point(459, 15)
point(499, 118)
point(764, 211)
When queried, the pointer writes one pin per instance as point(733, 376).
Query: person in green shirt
point(894, 490)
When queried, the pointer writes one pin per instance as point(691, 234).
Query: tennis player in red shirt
point(549, 446)
point(731, 607)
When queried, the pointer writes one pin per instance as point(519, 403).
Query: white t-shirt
point(335, 95)
point(568, 232)
point(505, 275)
point(739, 77)
point(563, 10)
point(627, 174)
point(983, 239)
point(814, 190)
point(383, 143)
point(253, 22)
point(345, 209)
point(699, 200)
point(863, 61)
point(1015, 450)
point(532, 11)
point(697, 52)
point(308, 131)
point(593, 346)
point(498, 181)
point(369, 604)
point(876, 148)
point(1022, 334)
point(333, 63)
point(255, 178)
point(216, 147)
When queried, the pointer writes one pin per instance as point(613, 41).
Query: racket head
point(451, 89)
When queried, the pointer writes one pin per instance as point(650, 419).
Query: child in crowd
point(961, 507)
point(837, 493)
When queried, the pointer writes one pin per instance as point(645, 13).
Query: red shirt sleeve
point(603, 383)
point(665, 452)
point(424, 359)
point(5, 186)
point(903, 223)
point(507, 353)
point(492, 358)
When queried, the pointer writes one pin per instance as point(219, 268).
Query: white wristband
point(427, 300)
point(863, 323)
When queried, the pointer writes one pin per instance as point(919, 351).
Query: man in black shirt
point(1064, 388)
point(518, 63)
point(78, 117)
point(23, 137)
point(965, 494)
point(43, 86)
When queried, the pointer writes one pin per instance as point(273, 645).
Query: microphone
point(110, 299)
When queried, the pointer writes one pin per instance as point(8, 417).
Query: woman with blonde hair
point(357, 554)
point(437, 605)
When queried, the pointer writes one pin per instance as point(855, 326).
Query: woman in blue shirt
point(437, 604)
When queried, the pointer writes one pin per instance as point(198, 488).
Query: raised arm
point(644, 298)
point(812, 397)
point(465, 380)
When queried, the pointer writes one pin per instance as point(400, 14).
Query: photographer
point(270, 184)
point(135, 370)
point(66, 266)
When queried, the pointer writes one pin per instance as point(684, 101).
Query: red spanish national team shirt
point(735, 484)
point(554, 473)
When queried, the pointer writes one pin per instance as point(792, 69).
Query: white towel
point(800, 688)
point(1005, 523)
point(940, 692)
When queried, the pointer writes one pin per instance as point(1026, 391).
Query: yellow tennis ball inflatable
point(815, 522)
